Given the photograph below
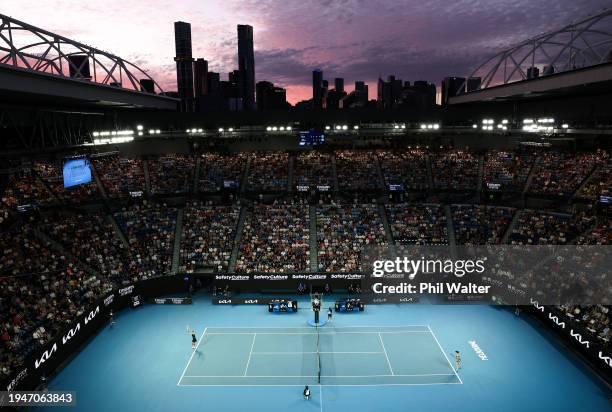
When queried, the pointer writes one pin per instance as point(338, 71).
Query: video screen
point(76, 172)
point(311, 138)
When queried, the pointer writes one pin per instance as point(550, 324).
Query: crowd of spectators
point(509, 170)
point(275, 238)
point(41, 292)
point(537, 228)
point(561, 173)
point(423, 224)
point(120, 175)
point(24, 187)
point(454, 169)
point(220, 170)
point(479, 225)
point(600, 234)
point(208, 236)
point(94, 241)
point(599, 184)
point(313, 169)
point(149, 229)
point(343, 231)
point(357, 169)
point(269, 172)
point(171, 174)
point(407, 168)
point(595, 318)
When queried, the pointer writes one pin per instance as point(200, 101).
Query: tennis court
point(343, 356)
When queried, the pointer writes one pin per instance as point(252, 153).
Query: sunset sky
point(354, 39)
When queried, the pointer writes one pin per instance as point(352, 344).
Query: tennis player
point(457, 360)
point(306, 393)
point(329, 314)
point(193, 339)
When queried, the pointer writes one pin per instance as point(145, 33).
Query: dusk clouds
point(354, 39)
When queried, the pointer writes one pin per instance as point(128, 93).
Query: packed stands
point(24, 187)
point(454, 169)
point(407, 168)
point(275, 238)
point(149, 230)
point(269, 172)
point(343, 230)
point(479, 225)
point(171, 174)
point(219, 171)
point(208, 236)
point(507, 169)
point(418, 224)
point(561, 173)
point(537, 228)
point(313, 169)
point(120, 175)
point(94, 241)
point(600, 183)
point(357, 169)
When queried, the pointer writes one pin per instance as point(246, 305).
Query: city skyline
point(412, 40)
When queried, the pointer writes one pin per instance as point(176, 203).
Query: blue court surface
point(387, 358)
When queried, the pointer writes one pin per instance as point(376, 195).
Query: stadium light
point(327, 127)
point(139, 127)
point(436, 126)
point(527, 121)
point(356, 127)
point(220, 130)
point(505, 121)
point(474, 126)
point(345, 127)
point(403, 126)
point(565, 125)
point(268, 128)
point(288, 127)
point(423, 126)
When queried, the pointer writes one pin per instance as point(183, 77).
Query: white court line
point(250, 353)
point(191, 357)
point(321, 333)
point(309, 353)
point(444, 353)
point(293, 327)
point(321, 397)
point(314, 376)
point(332, 385)
point(386, 356)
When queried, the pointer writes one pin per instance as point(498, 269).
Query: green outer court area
point(288, 356)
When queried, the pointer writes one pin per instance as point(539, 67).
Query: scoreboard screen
point(311, 138)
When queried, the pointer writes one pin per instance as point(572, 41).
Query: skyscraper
point(184, 64)
point(339, 84)
point(450, 88)
point(246, 65)
point(200, 71)
point(317, 89)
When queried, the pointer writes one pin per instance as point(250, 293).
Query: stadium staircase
point(176, 250)
point(450, 229)
point(58, 247)
point(430, 182)
point(312, 238)
point(101, 189)
point(196, 174)
point(388, 233)
point(237, 239)
point(145, 166)
point(336, 187)
point(480, 173)
point(511, 226)
point(118, 231)
point(244, 179)
point(381, 177)
point(534, 166)
point(585, 181)
point(290, 184)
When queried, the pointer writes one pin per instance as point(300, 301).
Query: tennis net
point(318, 357)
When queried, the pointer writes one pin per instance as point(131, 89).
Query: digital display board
point(76, 172)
